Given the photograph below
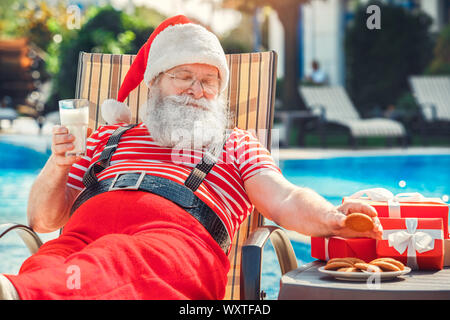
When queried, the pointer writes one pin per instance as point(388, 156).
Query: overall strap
point(203, 167)
point(198, 174)
point(90, 177)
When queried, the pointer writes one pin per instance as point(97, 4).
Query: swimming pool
point(333, 178)
point(20, 163)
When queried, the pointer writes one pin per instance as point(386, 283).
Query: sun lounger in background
point(432, 94)
point(334, 106)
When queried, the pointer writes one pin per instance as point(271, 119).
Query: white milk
point(76, 121)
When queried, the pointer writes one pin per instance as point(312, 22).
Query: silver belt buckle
point(136, 186)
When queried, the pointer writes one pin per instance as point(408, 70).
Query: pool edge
point(311, 153)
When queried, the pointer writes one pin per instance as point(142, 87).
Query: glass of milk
point(74, 115)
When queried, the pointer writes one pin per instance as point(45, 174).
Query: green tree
point(239, 39)
point(379, 61)
point(441, 61)
point(9, 22)
point(106, 30)
point(38, 21)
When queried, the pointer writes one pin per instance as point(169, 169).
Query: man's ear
point(151, 88)
point(154, 81)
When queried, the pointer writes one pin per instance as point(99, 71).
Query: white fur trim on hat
point(114, 111)
point(185, 44)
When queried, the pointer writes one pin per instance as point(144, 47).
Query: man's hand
point(62, 142)
point(351, 206)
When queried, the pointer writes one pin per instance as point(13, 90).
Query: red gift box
point(337, 247)
point(404, 205)
point(416, 242)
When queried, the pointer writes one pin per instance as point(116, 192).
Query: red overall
point(126, 245)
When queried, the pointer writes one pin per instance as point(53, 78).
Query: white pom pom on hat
point(114, 111)
point(176, 41)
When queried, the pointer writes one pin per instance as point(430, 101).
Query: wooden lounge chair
point(251, 93)
point(432, 94)
point(334, 106)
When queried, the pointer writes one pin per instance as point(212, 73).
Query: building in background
point(321, 32)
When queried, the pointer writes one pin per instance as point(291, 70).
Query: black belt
point(179, 194)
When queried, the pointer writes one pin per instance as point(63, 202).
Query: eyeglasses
point(184, 80)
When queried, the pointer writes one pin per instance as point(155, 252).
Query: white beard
point(174, 122)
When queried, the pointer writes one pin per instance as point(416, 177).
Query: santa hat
point(176, 41)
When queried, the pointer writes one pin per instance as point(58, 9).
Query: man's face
point(197, 80)
point(185, 110)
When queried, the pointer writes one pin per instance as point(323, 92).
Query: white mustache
point(187, 100)
point(181, 121)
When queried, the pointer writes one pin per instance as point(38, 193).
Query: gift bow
point(382, 194)
point(412, 240)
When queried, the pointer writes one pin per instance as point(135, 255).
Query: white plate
point(364, 275)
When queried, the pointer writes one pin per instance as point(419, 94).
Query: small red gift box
point(337, 247)
point(416, 242)
point(404, 205)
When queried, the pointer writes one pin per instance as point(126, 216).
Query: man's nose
point(196, 90)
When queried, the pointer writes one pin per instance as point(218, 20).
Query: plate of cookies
point(355, 269)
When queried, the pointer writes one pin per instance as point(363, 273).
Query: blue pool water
point(336, 177)
point(19, 167)
point(333, 178)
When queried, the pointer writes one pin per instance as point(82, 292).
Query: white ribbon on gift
point(382, 194)
point(327, 253)
point(413, 240)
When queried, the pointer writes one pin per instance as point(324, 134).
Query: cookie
point(397, 263)
point(368, 267)
point(351, 260)
point(346, 260)
point(355, 260)
point(359, 222)
point(348, 269)
point(386, 266)
point(337, 265)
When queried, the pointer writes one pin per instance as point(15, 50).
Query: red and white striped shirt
point(223, 188)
